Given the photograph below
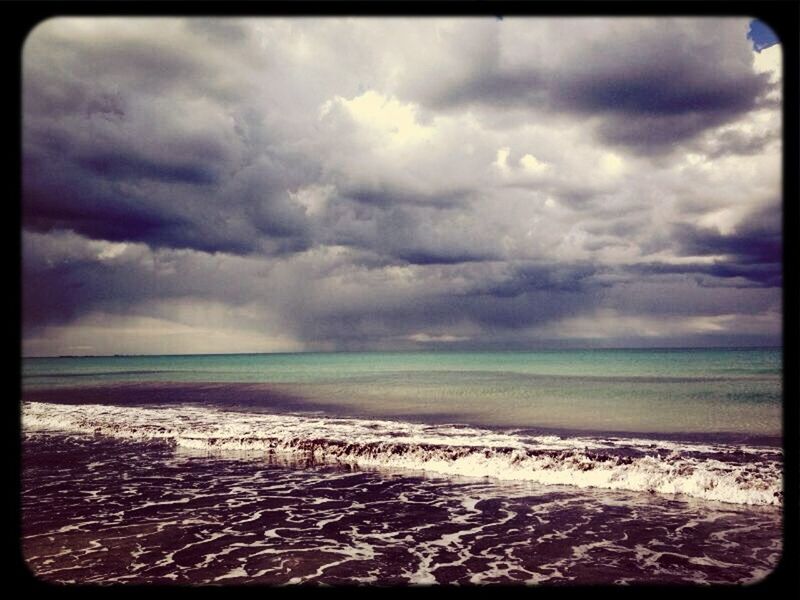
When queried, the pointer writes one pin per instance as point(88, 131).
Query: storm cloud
point(264, 184)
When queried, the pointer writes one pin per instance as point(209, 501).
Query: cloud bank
point(224, 185)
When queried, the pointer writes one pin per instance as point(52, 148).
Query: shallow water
point(666, 391)
point(739, 474)
point(102, 510)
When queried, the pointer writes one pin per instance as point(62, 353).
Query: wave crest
point(734, 474)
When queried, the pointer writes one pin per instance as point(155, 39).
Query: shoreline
point(261, 397)
point(725, 472)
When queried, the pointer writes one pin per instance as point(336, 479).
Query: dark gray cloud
point(749, 275)
point(130, 135)
point(221, 30)
point(736, 142)
point(553, 277)
point(651, 84)
point(415, 233)
point(758, 240)
point(463, 183)
point(384, 195)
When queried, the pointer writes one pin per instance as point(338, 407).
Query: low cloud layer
point(222, 185)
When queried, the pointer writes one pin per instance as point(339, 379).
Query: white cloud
point(769, 60)
point(532, 164)
point(611, 164)
point(394, 121)
point(501, 159)
point(428, 338)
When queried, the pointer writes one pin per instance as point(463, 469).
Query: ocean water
point(595, 466)
point(667, 391)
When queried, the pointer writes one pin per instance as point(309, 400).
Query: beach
point(486, 299)
point(286, 469)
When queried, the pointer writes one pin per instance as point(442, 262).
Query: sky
point(328, 184)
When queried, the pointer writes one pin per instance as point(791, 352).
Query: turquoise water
point(669, 391)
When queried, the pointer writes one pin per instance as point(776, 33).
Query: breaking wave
point(720, 472)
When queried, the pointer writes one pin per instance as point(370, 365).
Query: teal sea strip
point(667, 390)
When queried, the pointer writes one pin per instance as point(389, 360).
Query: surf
point(748, 475)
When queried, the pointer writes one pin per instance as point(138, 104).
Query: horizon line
point(419, 350)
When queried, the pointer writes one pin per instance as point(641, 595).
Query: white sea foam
point(631, 464)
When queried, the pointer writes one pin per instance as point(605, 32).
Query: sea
point(562, 467)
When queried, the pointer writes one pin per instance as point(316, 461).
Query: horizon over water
point(418, 350)
point(672, 391)
point(509, 466)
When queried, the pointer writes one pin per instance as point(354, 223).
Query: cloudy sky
point(225, 185)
